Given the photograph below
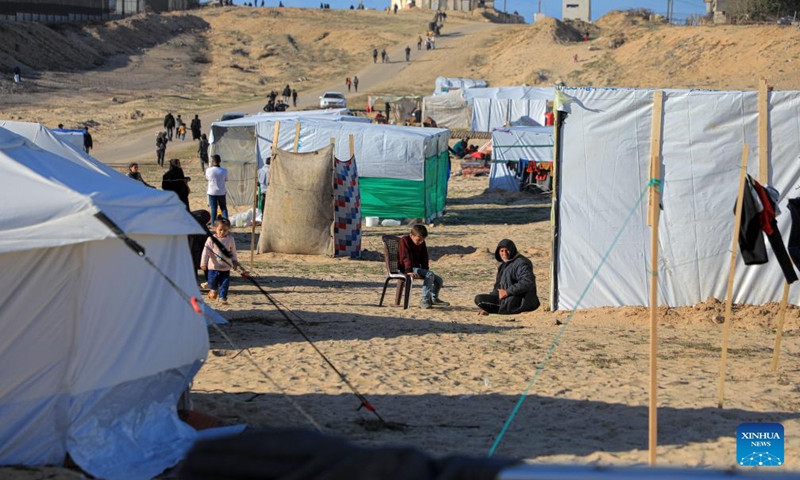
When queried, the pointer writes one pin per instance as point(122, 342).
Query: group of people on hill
point(275, 104)
point(515, 283)
point(175, 128)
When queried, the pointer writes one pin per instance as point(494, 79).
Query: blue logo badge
point(759, 445)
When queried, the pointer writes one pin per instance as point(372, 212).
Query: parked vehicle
point(332, 100)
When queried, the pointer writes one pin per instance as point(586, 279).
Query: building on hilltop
point(79, 10)
point(445, 5)
point(576, 10)
point(719, 9)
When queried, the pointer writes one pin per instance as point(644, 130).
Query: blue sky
point(552, 8)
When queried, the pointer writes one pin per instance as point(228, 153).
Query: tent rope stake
point(140, 252)
point(652, 183)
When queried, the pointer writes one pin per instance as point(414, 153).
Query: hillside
point(123, 75)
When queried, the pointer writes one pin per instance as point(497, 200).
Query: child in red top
point(414, 259)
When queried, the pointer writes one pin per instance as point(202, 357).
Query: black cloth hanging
point(794, 235)
point(751, 240)
point(770, 227)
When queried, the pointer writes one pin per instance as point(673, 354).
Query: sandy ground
point(448, 377)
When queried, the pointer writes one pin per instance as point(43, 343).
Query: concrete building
point(52, 11)
point(576, 10)
point(720, 9)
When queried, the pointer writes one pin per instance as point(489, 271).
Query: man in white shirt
point(217, 178)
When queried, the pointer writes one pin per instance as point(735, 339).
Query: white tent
point(402, 171)
point(96, 347)
point(72, 136)
point(448, 84)
point(604, 169)
point(518, 145)
point(239, 151)
point(484, 109)
point(57, 142)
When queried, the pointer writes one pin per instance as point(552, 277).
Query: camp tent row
point(93, 361)
point(402, 171)
point(484, 109)
point(604, 168)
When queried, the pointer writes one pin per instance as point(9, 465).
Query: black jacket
point(517, 278)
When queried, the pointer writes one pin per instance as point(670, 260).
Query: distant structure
point(51, 11)
point(719, 9)
point(445, 5)
point(576, 10)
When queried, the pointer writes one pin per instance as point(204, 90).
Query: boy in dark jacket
point(414, 258)
point(515, 286)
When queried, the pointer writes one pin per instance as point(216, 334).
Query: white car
point(332, 100)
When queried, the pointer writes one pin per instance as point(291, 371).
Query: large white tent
point(403, 171)
point(96, 347)
point(604, 168)
point(518, 145)
point(484, 109)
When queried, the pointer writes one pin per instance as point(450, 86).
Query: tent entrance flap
point(238, 153)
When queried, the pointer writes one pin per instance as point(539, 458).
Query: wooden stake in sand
point(296, 137)
point(554, 217)
point(655, 179)
point(729, 302)
point(763, 179)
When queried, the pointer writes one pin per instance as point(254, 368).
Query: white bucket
point(371, 221)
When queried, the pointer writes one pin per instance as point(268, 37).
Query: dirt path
point(140, 145)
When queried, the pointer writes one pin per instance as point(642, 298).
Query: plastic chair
point(391, 252)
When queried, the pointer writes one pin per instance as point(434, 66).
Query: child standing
point(217, 266)
point(414, 258)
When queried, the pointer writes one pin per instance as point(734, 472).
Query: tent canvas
point(402, 171)
point(447, 84)
point(484, 109)
point(89, 369)
point(604, 168)
point(239, 150)
point(515, 144)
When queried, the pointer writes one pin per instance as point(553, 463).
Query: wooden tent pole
point(763, 179)
point(655, 175)
point(729, 301)
point(296, 137)
point(554, 217)
point(253, 225)
point(781, 316)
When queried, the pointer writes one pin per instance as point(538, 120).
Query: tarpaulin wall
point(488, 113)
point(299, 207)
point(236, 146)
point(605, 168)
point(347, 207)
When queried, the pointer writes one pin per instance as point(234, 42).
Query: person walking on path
point(87, 140)
point(169, 124)
point(217, 193)
point(419, 42)
point(161, 148)
point(196, 128)
point(408, 53)
point(294, 97)
point(17, 74)
point(203, 152)
point(180, 128)
point(287, 94)
point(355, 83)
point(374, 55)
point(349, 83)
point(383, 55)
